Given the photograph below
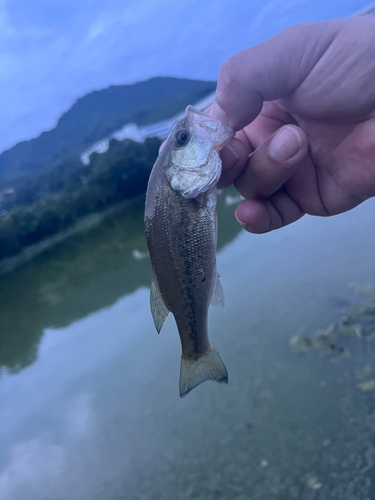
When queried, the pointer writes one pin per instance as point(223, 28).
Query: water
point(89, 392)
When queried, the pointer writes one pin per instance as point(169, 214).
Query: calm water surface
point(89, 405)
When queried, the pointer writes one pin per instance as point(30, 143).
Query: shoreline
point(32, 251)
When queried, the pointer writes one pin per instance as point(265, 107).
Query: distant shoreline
point(9, 264)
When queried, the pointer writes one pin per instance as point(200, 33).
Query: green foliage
point(61, 197)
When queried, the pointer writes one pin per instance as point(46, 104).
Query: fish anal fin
point(218, 299)
point(158, 308)
point(207, 367)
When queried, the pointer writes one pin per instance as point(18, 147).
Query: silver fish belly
point(180, 220)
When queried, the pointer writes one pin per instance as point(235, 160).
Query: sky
point(54, 51)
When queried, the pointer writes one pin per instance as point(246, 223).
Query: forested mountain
point(95, 116)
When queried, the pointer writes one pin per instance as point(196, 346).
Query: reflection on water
point(92, 410)
point(90, 271)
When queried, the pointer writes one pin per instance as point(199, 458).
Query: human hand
point(311, 88)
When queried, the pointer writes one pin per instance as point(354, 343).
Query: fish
point(181, 231)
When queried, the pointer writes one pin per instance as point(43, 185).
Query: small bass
point(180, 220)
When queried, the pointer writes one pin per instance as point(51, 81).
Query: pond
point(89, 404)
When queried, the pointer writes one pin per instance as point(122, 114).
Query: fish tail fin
point(207, 367)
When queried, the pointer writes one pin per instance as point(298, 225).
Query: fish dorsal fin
point(158, 308)
point(218, 299)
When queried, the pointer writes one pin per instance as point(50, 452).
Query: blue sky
point(54, 51)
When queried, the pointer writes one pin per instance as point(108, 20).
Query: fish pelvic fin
point(158, 308)
point(218, 299)
point(207, 367)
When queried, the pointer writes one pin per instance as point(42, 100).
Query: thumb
point(269, 71)
point(273, 163)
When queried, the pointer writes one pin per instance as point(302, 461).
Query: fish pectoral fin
point(218, 299)
point(158, 308)
point(207, 367)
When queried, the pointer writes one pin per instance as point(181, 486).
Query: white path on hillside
point(139, 134)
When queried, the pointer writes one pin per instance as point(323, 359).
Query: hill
point(95, 116)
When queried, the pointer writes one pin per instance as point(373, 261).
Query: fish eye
point(182, 137)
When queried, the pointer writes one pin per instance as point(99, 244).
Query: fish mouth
point(226, 134)
point(221, 134)
point(210, 126)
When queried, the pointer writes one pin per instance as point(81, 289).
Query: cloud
point(38, 466)
point(34, 465)
point(51, 53)
point(6, 29)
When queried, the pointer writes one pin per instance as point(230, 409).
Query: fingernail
point(243, 224)
point(228, 157)
point(286, 143)
point(218, 113)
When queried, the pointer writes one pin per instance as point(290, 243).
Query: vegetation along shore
point(45, 188)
